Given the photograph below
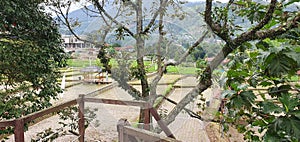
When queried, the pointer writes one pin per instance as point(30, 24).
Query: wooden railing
point(131, 134)
point(19, 123)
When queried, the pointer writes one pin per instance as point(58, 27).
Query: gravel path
point(189, 129)
point(103, 127)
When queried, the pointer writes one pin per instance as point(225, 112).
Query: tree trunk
point(140, 42)
point(160, 39)
point(205, 82)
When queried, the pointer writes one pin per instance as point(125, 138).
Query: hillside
point(182, 31)
point(186, 29)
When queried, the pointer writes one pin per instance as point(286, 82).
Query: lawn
point(149, 66)
point(82, 63)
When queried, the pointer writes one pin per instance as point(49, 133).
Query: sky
point(75, 7)
point(204, 0)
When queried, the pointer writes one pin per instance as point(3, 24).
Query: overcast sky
point(75, 7)
point(204, 0)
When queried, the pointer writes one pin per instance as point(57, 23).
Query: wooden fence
point(19, 123)
point(131, 134)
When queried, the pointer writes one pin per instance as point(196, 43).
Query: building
point(70, 41)
point(125, 49)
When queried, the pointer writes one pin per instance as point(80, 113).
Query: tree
point(268, 21)
point(268, 24)
point(31, 53)
point(98, 37)
point(143, 28)
point(269, 64)
point(148, 92)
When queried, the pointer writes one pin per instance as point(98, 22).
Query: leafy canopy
point(260, 89)
point(30, 55)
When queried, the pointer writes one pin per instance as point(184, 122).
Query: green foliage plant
point(30, 55)
point(268, 65)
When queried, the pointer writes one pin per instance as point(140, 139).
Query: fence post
point(120, 129)
point(19, 130)
point(122, 136)
point(81, 118)
point(147, 117)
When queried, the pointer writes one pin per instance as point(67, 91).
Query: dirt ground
point(103, 127)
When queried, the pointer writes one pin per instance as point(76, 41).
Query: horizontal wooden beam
point(6, 123)
point(117, 102)
point(38, 114)
point(49, 110)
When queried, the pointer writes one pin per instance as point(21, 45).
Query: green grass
point(113, 62)
point(82, 63)
point(171, 69)
point(149, 67)
point(181, 70)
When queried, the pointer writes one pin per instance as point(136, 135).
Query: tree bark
point(160, 38)
point(140, 42)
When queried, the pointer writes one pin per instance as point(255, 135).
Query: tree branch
point(251, 33)
point(262, 34)
point(188, 52)
point(215, 27)
point(151, 23)
point(60, 14)
point(134, 6)
point(168, 63)
point(190, 112)
point(101, 9)
point(91, 10)
point(231, 45)
point(267, 17)
point(202, 86)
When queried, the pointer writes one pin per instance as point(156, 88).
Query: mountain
point(190, 26)
point(193, 20)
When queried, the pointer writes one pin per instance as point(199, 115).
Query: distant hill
point(188, 27)
point(191, 24)
point(183, 32)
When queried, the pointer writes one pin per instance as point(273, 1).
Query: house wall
point(71, 41)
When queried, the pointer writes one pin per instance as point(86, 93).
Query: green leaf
point(294, 55)
point(237, 101)
point(279, 64)
point(244, 99)
point(259, 123)
point(290, 125)
point(248, 97)
point(242, 87)
point(270, 107)
point(272, 23)
point(253, 82)
point(297, 49)
point(296, 113)
point(271, 137)
point(228, 93)
point(289, 103)
point(266, 83)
